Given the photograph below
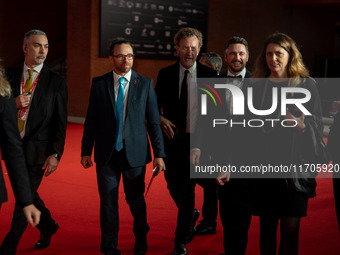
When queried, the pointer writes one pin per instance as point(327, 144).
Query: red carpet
point(71, 194)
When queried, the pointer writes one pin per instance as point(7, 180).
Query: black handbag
point(320, 153)
point(306, 156)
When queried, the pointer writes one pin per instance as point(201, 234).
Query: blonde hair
point(5, 88)
point(296, 69)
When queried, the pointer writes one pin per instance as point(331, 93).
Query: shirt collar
point(127, 76)
point(242, 73)
point(37, 69)
point(192, 69)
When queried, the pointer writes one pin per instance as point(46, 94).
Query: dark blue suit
point(141, 119)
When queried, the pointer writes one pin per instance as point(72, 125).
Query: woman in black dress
point(283, 198)
point(11, 148)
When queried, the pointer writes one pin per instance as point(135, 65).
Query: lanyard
point(23, 111)
point(23, 83)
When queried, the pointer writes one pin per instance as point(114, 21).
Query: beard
point(124, 68)
point(237, 69)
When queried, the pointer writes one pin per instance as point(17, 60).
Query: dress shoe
point(195, 216)
point(45, 238)
point(180, 249)
point(206, 228)
point(191, 234)
point(141, 246)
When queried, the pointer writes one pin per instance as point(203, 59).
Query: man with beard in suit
point(234, 194)
point(121, 115)
point(175, 85)
point(41, 100)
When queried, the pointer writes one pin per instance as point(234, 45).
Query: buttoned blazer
point(46, 123)
point(141, 119)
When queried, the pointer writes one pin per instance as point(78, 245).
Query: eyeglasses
point(122, 57)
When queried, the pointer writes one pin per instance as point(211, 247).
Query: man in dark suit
point(41, 99)
point(210, 203)
point(236, 56)
point(121, 101)
point(225, 146)
point(234, 194)
point(174, 85)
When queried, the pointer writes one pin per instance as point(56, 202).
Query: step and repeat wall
point(150, 25)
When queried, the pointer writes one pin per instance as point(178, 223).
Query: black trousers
point(210, 200)
point(179, 184)
point(108, 178)
point(235, 213)
point(19, 223)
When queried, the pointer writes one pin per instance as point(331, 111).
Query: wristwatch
point(55, 155)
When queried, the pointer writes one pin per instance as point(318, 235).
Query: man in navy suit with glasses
point(122, 112)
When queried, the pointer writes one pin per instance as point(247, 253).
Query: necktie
point(183, 104)
point(29, 81)
point(120, 114)
point(28, 85)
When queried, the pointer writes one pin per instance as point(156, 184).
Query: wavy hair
point(186, 32)
point(296, 69)
point(5, 88)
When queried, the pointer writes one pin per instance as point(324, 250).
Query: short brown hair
point(186, 32)
point(118, 41)
point(237, 40)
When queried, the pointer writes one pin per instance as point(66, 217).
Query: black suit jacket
point(100, 124)
point(47, 118)
point(220, 142)
point(11, 147)
point(167, 88)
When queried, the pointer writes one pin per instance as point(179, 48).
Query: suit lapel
point(41, 87)
point(110, 88)
point(40, 91)
point(133, 88)
point(174, 82)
